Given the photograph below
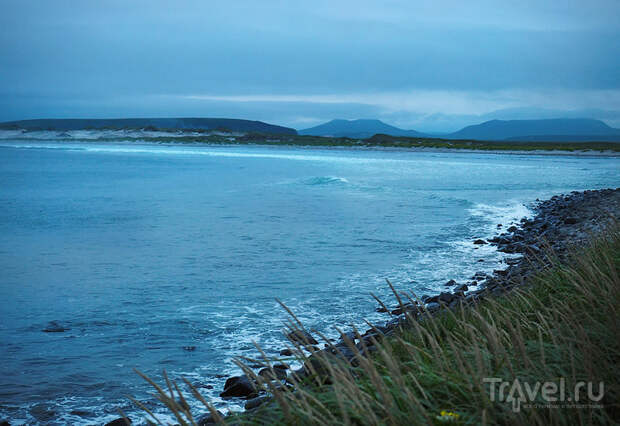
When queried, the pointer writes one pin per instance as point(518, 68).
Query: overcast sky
point(426, 65)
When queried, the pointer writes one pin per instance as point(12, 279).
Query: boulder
point(239, 386)
point(479, 242)
point(432, 306)
point(119, 422)
point(442, 297)
point(301, 336)
point(462, 287)
point(208, 419)
point(272, 374)
point(286, 352)
point(450, 283)
point(257, 402)
point(54, 327)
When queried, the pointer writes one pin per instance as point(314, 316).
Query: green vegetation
point(376, 141)
point(562, 327)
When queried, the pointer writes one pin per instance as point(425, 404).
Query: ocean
point(170, 257)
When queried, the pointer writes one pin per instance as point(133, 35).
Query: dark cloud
point(101, 58)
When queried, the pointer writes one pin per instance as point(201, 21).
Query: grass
point(378, 140)
point(562, 328)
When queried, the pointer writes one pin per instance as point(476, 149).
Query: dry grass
point(563, 327)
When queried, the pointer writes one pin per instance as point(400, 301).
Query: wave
point(506, 214)
point(325, 180)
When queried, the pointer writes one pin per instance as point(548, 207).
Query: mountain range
point(546, 130)
point(561, 129)
point(357, 129)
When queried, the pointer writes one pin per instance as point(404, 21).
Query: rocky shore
point(560, 224)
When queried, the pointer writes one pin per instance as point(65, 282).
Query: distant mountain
point(560, 129)
point(153, 123)
point(357, 129)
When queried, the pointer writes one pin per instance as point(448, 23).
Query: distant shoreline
point(520, 149)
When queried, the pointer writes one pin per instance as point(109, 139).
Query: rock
point(286, 352)
point(302, 336)
point(479, 242)
point(432, 306)
point(462, 287)
point(240, 386)
point(480, 260)
point(5, 423)
point(281, 366)
point(257, 402)
point(299, 374)
point(442, 297)
point(457, 295)
point(42, 412)
point(54, 327)
point(275, 374)
point(570, 221)
point(479, 276)
point(499, 225)
point(512, 229)
point(381, 309)
point(350, 336)
point(119, 422)
point(208, 419)
point(450, 283)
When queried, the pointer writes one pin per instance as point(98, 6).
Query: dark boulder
point(301, 336)
point(208, 419)
point(272, 374)
point(479, 242)
point(512, 229)
point(450, 283)
point(239, 386)
point(286, 352)
point(119, 422)
point(432, 306)
point(479, 276)
point(44, 413)
point(442, 297)
point(54, 327)
point(257, 402)
point(462, 287)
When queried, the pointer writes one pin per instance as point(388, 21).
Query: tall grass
point(563, 328)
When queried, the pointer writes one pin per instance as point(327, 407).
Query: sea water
point(171, 257)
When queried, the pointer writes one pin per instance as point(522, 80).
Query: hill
point(357, 129)
point(152, 123)
point(561, 129)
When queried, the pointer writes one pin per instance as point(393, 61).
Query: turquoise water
point(145, 250)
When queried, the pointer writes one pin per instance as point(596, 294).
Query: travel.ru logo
point(552, 393)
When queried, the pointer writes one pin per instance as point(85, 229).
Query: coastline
point(560, 225)
point(591, 153)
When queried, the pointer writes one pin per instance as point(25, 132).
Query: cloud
point(442, 101)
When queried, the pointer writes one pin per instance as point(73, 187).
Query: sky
point(432, 66)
